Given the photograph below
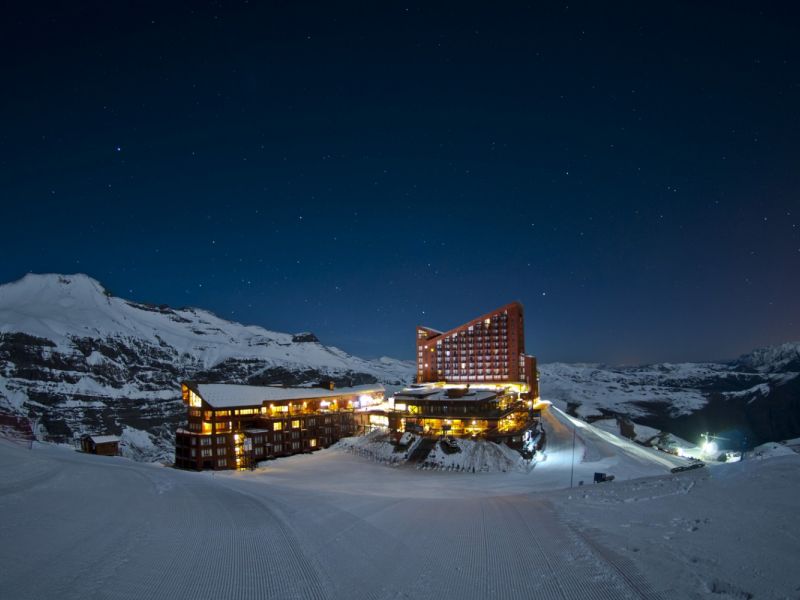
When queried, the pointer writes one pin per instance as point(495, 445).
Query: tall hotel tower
point(486, 350)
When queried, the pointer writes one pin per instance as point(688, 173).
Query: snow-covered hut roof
point(104, 439)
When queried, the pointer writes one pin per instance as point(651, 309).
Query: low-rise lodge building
point(107, 445)
point(498, 414)
point(495, 413)
point(235, 426)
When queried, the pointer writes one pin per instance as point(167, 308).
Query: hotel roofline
point(436, 333)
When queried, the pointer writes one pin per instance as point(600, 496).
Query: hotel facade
point(487, 349)
point(236, 426)
point(473, 381)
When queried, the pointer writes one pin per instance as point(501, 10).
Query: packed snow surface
point(333, 525)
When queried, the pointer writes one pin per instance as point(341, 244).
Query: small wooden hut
point(107, 445)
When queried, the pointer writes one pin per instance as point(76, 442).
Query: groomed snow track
point(79, 526)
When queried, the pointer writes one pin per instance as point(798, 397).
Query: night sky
point(629, 173)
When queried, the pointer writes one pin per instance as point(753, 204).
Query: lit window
point(277, 426)
point(295, 424)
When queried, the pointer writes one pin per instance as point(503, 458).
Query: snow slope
point(756, 396)
point(83, 361)
point(595, 450)
point(60, 308)
point(332, 525)
point(597, 388)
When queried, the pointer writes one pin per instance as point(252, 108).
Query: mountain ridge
point(80, 359)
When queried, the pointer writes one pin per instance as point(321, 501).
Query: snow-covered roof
point(416, 392)
point(224, 395)
point(442, 394)
point(103, 439)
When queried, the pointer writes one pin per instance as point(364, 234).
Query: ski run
point(336, 524)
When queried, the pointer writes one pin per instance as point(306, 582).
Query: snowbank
point(772, 449)
point(379, 446)
point(473, 456)
point(139, 445)
point(477, 456)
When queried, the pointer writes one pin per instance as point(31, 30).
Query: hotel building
point(235, 426)
point(473, 381)
point(487, 349)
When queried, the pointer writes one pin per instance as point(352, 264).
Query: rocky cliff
point(78, 359)
point(756, 396)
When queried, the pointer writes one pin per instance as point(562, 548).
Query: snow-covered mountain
point(773, 359)
point(80, 359)
point(755, 396)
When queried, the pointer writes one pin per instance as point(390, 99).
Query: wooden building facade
point(236, 426)
point(107, 445)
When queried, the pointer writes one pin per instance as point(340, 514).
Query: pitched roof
point(104, 439)
point(436, 333)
